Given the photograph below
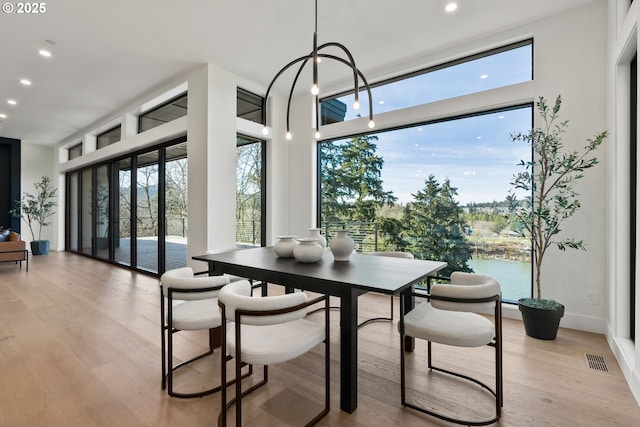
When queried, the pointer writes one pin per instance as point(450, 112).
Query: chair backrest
point(394, 254)
point(183, 278)
point(237, 296)
point(466, 286)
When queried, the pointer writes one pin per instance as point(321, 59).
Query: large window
point(436, 189)
point(250, 194)
point(488, 70)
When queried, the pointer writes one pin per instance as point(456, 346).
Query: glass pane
point(74, 225)
point(122, 224)
point(462, 78)
point(147, 212)
point(109, 137)
point(87, 209)
point(165, 113)
point(75, 151)
point(102, 212)
point(249, 106)
point(248, 192)
point(176, 182)
point(398, 190)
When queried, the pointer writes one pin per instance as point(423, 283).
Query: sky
point(476, 154)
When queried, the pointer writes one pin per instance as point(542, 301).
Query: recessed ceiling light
point(44, 52)
point(451, 7)
point(12, 102)
point(25, 82)
point(3, 116)
point(484, 76)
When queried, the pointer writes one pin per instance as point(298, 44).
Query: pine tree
point(434, 226)
point(351, 180)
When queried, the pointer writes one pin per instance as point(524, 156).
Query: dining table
point(343, 279)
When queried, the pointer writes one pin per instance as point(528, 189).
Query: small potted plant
point(548, 183)
point(35, 210)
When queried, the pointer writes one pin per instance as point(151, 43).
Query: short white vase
point(341, 246)
point(309, 250)
point(284, 246)
point(315, 233)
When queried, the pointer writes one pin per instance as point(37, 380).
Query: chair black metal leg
point(377, 319)
point(497, 393)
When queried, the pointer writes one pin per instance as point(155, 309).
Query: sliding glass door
point(133, 210)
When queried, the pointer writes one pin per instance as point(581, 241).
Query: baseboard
point(624, 351)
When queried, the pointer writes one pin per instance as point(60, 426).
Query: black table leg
point(349, 351)
point(409, 304)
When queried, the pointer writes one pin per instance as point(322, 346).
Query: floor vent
point(596, 362)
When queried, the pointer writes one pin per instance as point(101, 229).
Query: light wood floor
point(80, 346)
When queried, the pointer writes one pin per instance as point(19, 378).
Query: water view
point(514, 277)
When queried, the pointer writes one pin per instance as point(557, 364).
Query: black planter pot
point(39, 247)
point(541, 318)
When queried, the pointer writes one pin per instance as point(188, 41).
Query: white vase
point(284, 246)
point(341, 246)
point(308, 250)
point(315, 233)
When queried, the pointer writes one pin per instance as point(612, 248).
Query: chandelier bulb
point(265, 130)
point(371, 124)
point(288, 135)
point(314, 89)
point(356, 105)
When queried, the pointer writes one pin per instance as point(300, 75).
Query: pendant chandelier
point(315, 56)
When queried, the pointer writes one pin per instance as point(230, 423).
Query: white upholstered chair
point(393, 254)
point(265, 331)
point(187, 303)
point(451, 317)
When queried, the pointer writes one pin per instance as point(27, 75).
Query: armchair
point(13, 249)
point(451, 317)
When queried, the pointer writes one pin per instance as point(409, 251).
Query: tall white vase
point(341, 246)
point(315, 233)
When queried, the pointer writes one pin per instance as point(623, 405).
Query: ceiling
point(105, 53)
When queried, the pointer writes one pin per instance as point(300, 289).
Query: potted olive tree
point(36, 210)
point(548, 184)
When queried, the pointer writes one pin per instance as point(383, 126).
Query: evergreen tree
point(434, 226)
point(351, 180)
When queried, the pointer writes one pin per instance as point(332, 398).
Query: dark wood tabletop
point(364, 273)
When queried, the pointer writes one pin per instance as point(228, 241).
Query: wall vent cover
point(596, 362)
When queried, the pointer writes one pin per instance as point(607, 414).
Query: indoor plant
point(36, 209)
point(548, 181)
